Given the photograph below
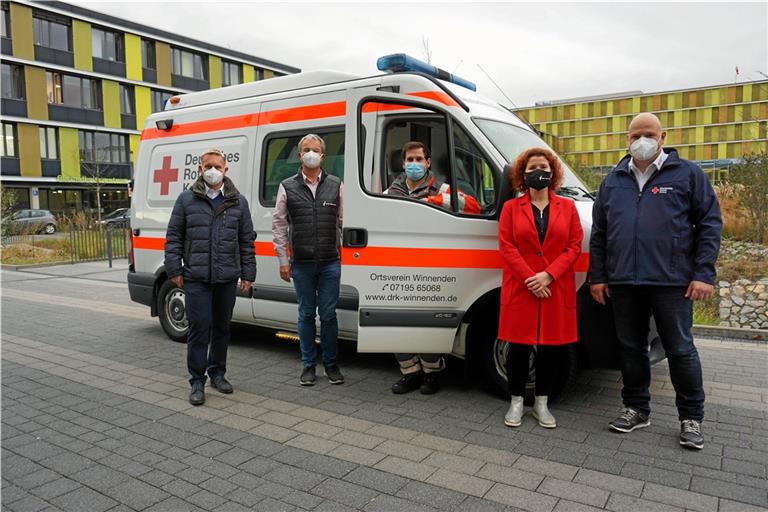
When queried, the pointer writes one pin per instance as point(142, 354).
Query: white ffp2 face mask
point(644, 148)
point(213, 176)
point(311, 159)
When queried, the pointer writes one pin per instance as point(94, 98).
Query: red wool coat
point(524, 318)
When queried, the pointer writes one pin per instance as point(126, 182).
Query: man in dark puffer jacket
point(209, 246)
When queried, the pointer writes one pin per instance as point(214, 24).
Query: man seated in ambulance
point(419, 183)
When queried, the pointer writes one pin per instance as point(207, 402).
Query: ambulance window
point(467, 168)
point(281, 159)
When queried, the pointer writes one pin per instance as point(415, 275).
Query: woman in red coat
point(540, 240)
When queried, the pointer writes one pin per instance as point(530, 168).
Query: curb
point(715, 331)
point(19, 268)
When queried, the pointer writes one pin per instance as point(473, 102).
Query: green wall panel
point(133, 57)
point(29, 149)
point(82, 45)
point(37, 92)
point(21, 31)
point(69, 149)
point(111, 93)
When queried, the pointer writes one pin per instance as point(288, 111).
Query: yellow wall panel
point(111, 93)
point(143, 105)
point(134, 143)
point(133, 62)
point(163, 58)
point(69, 152)
point(268, 73)
point(249, 74)
point(29, 149)
point(82, 45)
point(747, 94)
point(636, 106)
point(214, 71)
point(37, 92)
point(707, 115)
point(23, 39)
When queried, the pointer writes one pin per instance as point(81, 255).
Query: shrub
point(750, 181)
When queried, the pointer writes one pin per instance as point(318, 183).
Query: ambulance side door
point(417, 265)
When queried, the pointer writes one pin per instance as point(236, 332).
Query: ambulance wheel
point(492, 365)
point(172, 312)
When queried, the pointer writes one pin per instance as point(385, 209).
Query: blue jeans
point(317, 289)
point(673, 313)
point(209, 312)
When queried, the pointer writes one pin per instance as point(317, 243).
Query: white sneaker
point(514, 416)
point(541, 413)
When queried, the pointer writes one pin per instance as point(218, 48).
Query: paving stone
point(312, 443)
point(303, 500)
point(574, 492)
point(455, 463)
point(405, 468)
point(744, 467)
point(431, 495)
point(609, 482)
point(680, 498)
point(377, 480)
point(313, 462)
point(572, 506)
point(547, 468)
point(356, 455)
point(622, 503)
point(384, 503)
point(55, 488)
point(750, 495)
point(403, 450)
point(735, 506)
point(461, 482)
point(358, 439)
point(511, 476)
point(294, 477)
point(136, 494)
point(27, 504)
point(656, 475)
point(84, 499)
point(345, 492)
point(206, 500)
point(35, 478)
point(218, 486)
point(485, 454)
point(521, 498)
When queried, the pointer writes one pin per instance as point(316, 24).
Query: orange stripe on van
point(392, 256)
point(287, 115)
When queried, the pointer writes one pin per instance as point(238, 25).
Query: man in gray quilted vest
point(307, 217)
point(209, 246)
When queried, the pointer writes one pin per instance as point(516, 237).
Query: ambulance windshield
point(512, 140)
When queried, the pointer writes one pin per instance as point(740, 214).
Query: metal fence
point(78, 244)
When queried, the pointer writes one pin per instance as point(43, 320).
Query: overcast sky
point(541, 51)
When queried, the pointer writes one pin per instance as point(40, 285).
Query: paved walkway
point(95, 417)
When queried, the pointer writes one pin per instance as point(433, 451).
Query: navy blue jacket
point(207, 244)
point(668, 234)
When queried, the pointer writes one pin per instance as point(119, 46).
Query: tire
point(492, 356)
point(171, 311)
point(49, 229)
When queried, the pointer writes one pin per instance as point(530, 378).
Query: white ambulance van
point(415, 277)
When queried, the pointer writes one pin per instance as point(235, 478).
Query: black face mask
point(538, 179)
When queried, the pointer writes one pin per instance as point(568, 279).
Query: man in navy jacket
point(655, 240)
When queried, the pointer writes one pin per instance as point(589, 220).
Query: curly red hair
point(518, 168)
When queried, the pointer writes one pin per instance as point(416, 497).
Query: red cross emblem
point(165, 175)
point(655, 190)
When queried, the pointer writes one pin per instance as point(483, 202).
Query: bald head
point(646, 125)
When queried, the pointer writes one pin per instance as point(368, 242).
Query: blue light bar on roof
point(401, 63)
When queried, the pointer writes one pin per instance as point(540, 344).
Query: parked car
point(118, 218)
point(32, 221)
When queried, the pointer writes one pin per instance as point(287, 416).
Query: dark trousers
point(209, 311)
point(549, 360)
point(414, 363)
point(673, 313)
point(317, 291)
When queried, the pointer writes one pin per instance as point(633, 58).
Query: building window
point(103, 148)
point(158, 100)
point(259, 74)
point(5, 22)
point(107, 45)
point(73, 91)
point(13, 81)
point(126, 100)
point(8, 144)
point(48, 143)
point(148, 59)
point(231, 73)
point(188, 64)
point(51, 33)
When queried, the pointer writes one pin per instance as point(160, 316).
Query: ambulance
point(416, 277)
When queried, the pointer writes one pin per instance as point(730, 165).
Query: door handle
point(354, 237)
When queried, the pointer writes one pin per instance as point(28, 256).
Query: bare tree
point(426, 50)
point(95, 163)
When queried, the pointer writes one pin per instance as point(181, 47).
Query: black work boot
point(197, 395)
point(429, 384)
point(407, 383)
